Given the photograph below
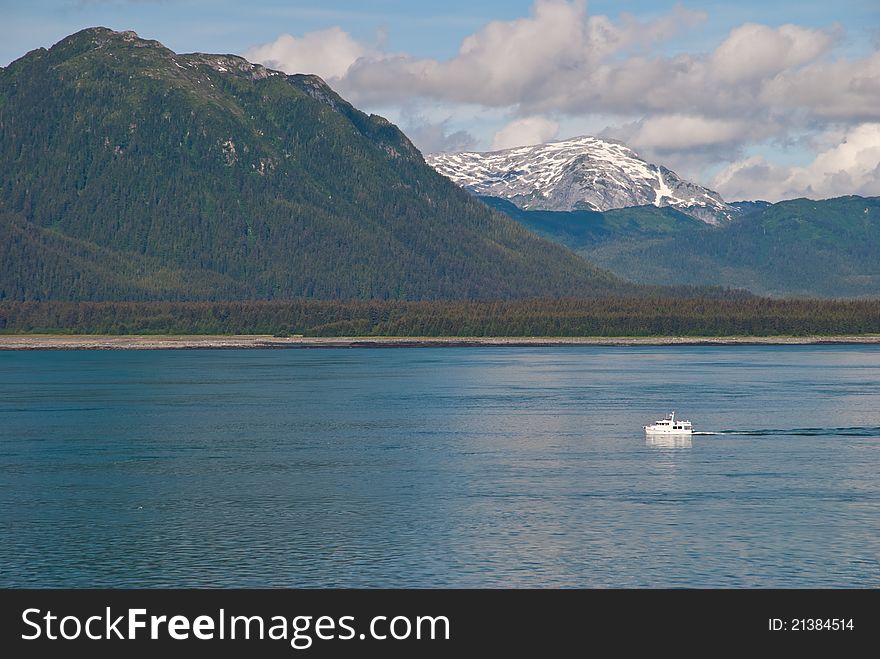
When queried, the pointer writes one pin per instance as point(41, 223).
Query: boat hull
point(680, 433)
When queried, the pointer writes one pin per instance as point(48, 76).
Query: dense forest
point(613, 316)
point(130, 172)
point(799, 247)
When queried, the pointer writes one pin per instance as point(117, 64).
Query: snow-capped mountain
point(582, 173)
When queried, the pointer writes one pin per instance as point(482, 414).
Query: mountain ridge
point(797, 247)
point(128, 171)
point(580, 173)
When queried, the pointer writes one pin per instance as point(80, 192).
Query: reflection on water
point(669, 441)
point(459, 467)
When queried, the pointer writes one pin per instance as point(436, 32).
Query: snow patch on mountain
point(582, 173)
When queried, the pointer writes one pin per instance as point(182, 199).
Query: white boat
point(669, 426)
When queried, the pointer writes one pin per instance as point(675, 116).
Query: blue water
point(440, 467)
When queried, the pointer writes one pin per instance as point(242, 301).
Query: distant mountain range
point(583, 173)
point(130, 172)
point(647, 225)
point(801, 247)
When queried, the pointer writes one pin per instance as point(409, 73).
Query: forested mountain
point(130, 172)
point(801, 247)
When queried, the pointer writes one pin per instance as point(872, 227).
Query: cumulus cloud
point(525, 131)
point(760, 84)
point(562, 60)
point(753, 51)
point(843, 89)
point(851, 165)
point(438, 137)
point(541, 61)
point(328, 53)
point(682, 132)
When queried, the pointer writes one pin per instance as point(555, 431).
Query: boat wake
point(857, 431)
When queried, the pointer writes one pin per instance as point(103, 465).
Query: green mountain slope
point(130, 172)
point(827, 248)
point(579, 229)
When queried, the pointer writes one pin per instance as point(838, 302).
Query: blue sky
point(426, 29)
point(766, 99)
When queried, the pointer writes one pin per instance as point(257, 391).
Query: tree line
point(612, 316)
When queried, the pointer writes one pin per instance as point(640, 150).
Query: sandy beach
point(229, 342)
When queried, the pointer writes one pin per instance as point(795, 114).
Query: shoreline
point(257, 341)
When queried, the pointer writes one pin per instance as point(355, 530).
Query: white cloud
point(525, 131)
point(681, 132)
point(844, 89)
point(851, 165)
point(544, 59)
point(437, 137)
point(562, 60)
point(328, 53)
point(759, 52)
point(760, 85)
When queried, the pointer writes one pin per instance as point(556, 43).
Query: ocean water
point(429, 467)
